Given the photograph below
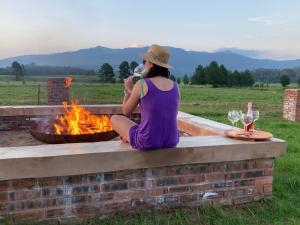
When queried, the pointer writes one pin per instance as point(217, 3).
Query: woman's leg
point(122, 125)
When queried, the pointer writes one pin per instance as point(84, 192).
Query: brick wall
point(8, 123)
point(291, 109)
point(15, 123)
point(128, 191)
point(57, 92)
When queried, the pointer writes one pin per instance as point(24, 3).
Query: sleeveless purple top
point(158, 127)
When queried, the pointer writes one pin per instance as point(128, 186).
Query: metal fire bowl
point(48, 136)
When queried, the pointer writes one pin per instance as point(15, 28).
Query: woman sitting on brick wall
point(158, 97)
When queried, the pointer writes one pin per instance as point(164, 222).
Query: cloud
point(134, 45)
point(269, 20)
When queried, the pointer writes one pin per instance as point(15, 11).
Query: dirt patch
point(17, 138)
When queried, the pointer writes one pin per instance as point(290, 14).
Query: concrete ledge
point(47, 110)
point(83, 158)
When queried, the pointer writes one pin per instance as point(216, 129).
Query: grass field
point(213, 104)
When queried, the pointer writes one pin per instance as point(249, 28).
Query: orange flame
point(68, 81)
point(77, 120)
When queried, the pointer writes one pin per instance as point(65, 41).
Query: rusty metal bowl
point(43, 131)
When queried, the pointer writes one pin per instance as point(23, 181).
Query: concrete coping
point(207, 145)
point(47, 110)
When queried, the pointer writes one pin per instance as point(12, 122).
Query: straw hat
point(157, 55)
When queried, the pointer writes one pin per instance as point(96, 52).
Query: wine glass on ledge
point(255, 118)
point(233, 117)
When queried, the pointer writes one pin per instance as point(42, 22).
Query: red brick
point(243, 183)
point(3, 196)
point(4, 185)
point(32, 215)
point(214, 177)
point(55, 213)
point(217, 167)
point(136, 184)
point(268, 172)
point(116, 207)
point(125, 195)
point(267, 188)
point(188, 197)
point(259, 189)
point(115, 186)
point(242, 200)
point(50, 181)
point(87, 210)
point(191, 179)
point(179, 189)
point(158, 191)
point(24, 184)
point(263, 180)
point(234, 193)
point(24, 195)
point(264, 163)
point(201, 187)
point(100, 197)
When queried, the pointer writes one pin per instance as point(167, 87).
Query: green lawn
point(213, 104)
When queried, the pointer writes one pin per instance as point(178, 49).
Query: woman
point(158, 97)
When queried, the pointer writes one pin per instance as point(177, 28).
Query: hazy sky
point(46, 26)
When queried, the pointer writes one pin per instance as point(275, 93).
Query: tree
point(248, 80)
point(199, 76)
point(124, 71)
point(178, 80)
point(172, 77)
point(223, 75)
point(106, 73)
point(285, 80)
point(298, 82)
point(132, 66)
point(236, 81)
point(213, 74)
point(18, 70)
point(185, 79)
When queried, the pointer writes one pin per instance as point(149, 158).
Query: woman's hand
point(128, 84)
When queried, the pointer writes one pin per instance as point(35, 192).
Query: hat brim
point(149, 58)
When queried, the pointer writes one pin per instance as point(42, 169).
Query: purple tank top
point(158, 127)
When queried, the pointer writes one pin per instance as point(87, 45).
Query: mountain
point(245, 52)
point(183, 62)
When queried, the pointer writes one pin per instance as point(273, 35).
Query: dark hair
point(158, 71)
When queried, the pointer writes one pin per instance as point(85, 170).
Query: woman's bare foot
point(123, 140)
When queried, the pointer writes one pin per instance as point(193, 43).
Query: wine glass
point(139, 71)
point(237, 116)
point(231, 118)
point(246, 121)
point(255, 117)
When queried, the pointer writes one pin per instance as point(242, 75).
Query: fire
point(77, 120)
point(68, 81)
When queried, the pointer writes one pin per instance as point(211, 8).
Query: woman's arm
point(130, 101)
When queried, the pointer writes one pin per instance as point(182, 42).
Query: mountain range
point(183, 61)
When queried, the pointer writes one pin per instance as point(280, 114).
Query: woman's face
point(148, 65)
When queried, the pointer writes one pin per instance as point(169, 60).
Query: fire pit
point(76, 125)
point(45, 136)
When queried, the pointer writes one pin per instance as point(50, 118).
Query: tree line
point(274, 75)
point(214, 74)
point(38, 70)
